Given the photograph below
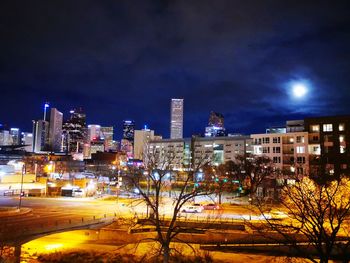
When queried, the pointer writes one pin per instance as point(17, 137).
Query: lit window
point(341, 127)
point(327, 127)
point(315, 128)
point(341, 138)
point(342, 149)
point(300, 149)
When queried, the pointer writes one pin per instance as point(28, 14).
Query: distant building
point(215, 126)
point(75, 132)
point(55, 132)
point(94, 132)
point(128, 130)
point(27, 140)
point(126, 146)
point(5, 137)
point(176, 118)
point(97, 146)
point(191, 152)
point(127, 142)
point(216, 119)
point(141, 138)
point(15, 136)
point(40, 135)
point(106, 134)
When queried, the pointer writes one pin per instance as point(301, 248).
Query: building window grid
point(327, 127)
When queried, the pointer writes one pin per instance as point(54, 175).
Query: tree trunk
point(166, 253)
point(220, 194)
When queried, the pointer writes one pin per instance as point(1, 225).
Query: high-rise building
point(40, 135)
point(75, 132)
point(106, 134)
point(176, 118)
point(128, 130)
point(127, 142)
point(27, 141)
point(216, 119)
point(94, 132)
point(215, 125)
point(15, 135)
point(142, 137)
point(55, 133)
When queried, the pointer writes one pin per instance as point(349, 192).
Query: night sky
point(127, 59)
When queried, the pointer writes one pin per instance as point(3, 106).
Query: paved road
point(50, 212)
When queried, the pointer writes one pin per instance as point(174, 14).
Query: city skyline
point(248, 61)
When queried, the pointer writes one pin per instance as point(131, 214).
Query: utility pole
point(20, 193)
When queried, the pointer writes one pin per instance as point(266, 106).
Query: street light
point(20, 193)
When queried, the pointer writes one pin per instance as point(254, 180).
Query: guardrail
point(16, 233)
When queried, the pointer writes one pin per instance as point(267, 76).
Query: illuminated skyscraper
point(215, 125)
point(40, 135)
point(55, 133)
point(94, 132)
point(107, 136)
point(127, 141)
point(75, 132)
point(176, 118)
point(128, 130)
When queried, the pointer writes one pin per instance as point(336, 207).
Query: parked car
point(211, 206)
point(192, 209)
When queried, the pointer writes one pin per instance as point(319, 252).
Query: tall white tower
point(176, 118)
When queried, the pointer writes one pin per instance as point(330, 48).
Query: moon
point(299, 90)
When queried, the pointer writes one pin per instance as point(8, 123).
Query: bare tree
point(220, 179)
point(317, 219)
point(160, 165)
point(253, 170)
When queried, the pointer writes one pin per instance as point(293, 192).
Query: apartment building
point(192, 152)
point(329, 145)
point(289, 152)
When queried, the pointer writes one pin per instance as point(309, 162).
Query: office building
point(94, 132)
point(5, 137)
point(192, 152)
point(215, 126)
point(75, 132)
point(27, 141)
point(106, 134)
point(141, 138)
point(15, 136)
point(40, 135)
point(176, 118)
point(128, 130)
point(55, 132)
point(97, 146)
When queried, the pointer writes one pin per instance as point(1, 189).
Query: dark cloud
point(126, 59)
